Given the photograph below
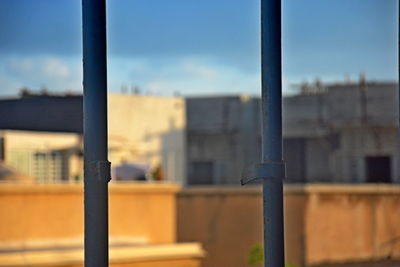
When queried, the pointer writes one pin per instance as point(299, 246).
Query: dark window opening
point(295, 159)
point(378, 169)
point(2, 154)
point(201, 173)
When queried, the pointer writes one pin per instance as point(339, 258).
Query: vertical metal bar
point(96, 164)
point(272, 130)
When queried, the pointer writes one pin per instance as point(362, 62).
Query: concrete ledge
point(138, 254)
point(65, 243)
point(295, 189)
point(344, 189)
point(154, 187)
point(218, 190)
point(77, 188)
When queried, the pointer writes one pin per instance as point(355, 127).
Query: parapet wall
point(352, 223)
point(35, 215)
point(323, 223)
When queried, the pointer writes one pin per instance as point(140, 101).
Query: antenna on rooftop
point(123, 88)
point(135, 90)
point(363, 77)
point(363, 98)
point(318, 85)
point(304, 87)
point(347, 78)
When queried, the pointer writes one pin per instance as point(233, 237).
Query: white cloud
point(186, 75)
point(164, 76)
point(55, 73)
point(54, 67)
point(199, 70)
point(43, 67)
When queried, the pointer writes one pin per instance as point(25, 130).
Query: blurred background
point(184, 126)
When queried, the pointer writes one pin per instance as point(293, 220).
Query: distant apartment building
point(344, 133)
point(48, 157)
point(223, 138)
point(41, 135)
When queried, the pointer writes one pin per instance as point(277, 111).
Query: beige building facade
point(48, 157)
point(146, 130)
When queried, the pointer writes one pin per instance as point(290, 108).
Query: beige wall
point(323, 223)
point(42, 225)
point(358, 223)
point(226, 221)
point(148, 129)
point(43, 213)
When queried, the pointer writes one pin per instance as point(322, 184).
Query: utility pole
point(271, 72)
point(96, 165)
point(271, 171)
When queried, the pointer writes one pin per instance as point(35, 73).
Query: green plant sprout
point(256, 256)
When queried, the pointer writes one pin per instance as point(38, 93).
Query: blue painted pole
point(272, 131)
point(96, 165)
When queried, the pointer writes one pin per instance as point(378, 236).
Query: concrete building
point(222, 138)
point(48, 157)
point(42, 134)
point(345, 132)
point(149, 130)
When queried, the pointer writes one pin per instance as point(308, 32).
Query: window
point(48, 166)
point(201, 173)
point(295, 159)
point(2, 157)
point(378, 169)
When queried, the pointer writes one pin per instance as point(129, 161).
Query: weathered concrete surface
point(341, 105)
point(224, 133)
point(226, 221)
point(352, 225)
point(328, 134)
point(323, 224)
point(334, 130)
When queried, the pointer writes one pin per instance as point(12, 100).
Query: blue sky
point(196, 47)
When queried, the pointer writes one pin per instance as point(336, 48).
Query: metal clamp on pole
point(265, 170)
point(99, 170)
